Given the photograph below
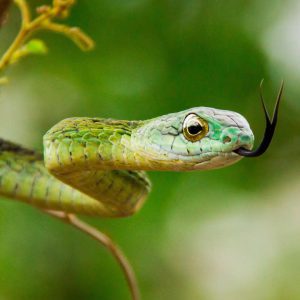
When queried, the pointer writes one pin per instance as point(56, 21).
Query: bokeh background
point(226, 234)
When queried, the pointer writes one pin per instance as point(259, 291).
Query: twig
point(29, 26)
point(108, 243)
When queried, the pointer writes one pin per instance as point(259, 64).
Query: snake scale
point(97, 166)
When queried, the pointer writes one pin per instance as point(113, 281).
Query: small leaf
point(35, 46)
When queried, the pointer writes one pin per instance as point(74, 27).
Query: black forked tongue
point(270, 127)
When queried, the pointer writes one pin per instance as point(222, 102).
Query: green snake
point(97, 166)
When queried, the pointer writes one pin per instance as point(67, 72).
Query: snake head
point(201, 138)
point(197, 138)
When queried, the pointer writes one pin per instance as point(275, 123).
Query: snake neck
point(87, 143)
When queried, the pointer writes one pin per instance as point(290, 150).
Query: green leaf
point(35, 46)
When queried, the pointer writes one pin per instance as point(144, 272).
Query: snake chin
point(218, 160)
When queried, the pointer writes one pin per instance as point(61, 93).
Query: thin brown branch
point(25, 12)
point(108, 243)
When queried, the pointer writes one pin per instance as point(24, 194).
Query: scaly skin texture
point(96, 166)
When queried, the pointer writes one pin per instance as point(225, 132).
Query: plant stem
point(108, 243)
point(43, 21)
point(21, 36)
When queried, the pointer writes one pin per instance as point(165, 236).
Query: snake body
point(96, 166)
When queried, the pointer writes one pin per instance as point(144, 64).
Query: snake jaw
point(270, 127)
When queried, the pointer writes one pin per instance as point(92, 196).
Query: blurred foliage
point(4, 6)
point(224, 234)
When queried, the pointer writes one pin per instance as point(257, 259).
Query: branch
point(44, 21)
point(108, 243)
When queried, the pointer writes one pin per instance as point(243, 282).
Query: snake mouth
point(269, 130)
point(240, 149)
point(243, 151)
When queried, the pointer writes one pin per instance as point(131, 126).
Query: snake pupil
point(195, 128)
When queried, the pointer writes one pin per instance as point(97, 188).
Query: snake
point(96, 166)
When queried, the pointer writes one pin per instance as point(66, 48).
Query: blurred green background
point(226, 234)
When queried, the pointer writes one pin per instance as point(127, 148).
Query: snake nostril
point(227, 140)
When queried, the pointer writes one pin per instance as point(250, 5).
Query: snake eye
point(194, 128)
